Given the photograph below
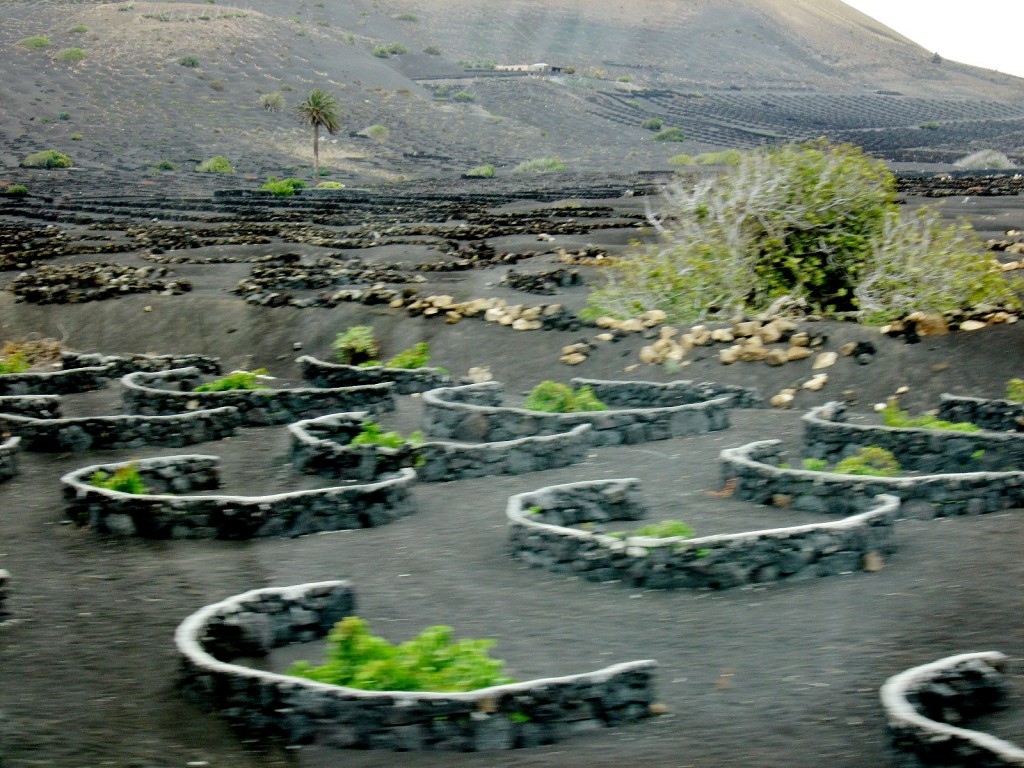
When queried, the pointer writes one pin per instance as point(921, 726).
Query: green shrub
point(356, 345)
point(683, 159)
point(381, 52)
point(283, 187)
point(34, 43)
point(70, 55)
point(671, 134)
point(725, 157)
point(870, 461)
point(330, 185)
point(78, 28)
point(463, 96)
point(652, 124)
point(485, 171)
point(76, 136)
point(272, 102)
point(666, 529)
point(63, 116)
point(165, 165)
point(540, 165)
point(930, 126)
point(14, 363)
point(813, 221)
point(372, 435)
point(235, 380)
point(894, 416)
point(189, 61)
point(432, 661)
point(554, 397)
point(432, 50)
point(15, 190)
point(815, 465)
point(1015, 390)
point(378, 132)
point(405, 17)
point(125, 479)
point(216, 164)
point(48, 158)
point(984, 160)
point(416, 356)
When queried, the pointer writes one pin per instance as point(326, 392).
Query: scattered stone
point(873, 562)
point(848, 348)
point(777, 357)
point(798, 353)
point(699, 335)
point(902, 390)
point(782, 400)
point(480, 374)
point(801, 339)
point(929, 325)
point(633, 325)
point(782, 500)
point(605, 337)
point(771, 332)
point(972, 325)
point(729, 355)
point(658, 709)
point(824, 360)
point(653, 317)
point(816, 382)
point(573, 358)
point(746, 329)
point(723, 336)
point(650, 356)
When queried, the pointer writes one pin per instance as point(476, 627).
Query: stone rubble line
point(541, 535)
point(524, 714)
point(965, 685)
point(754, 473)
point(9, 449)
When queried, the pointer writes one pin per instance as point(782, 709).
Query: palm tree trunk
point(316, 152)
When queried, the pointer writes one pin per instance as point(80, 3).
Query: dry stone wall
point(120, 365)
point(994, 415)
point(151, 394)
point(53, 382)
point(9, 457)
point(523, 714)
point(407, 380)
point(172, 510)
point(755, 472)
point(541, 536)
point(922, 703)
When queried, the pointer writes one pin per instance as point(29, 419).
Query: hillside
point(168, 82)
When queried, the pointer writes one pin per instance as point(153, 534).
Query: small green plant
point(13, 363)
point(1015, 390)
point(485, 171)
point(283, 187)
point(70, 55)
point(930, 126)
point(464, 97)
point(330, 185)
point(356, 345)
point(76, 136)
point(624, 79)
point(540, 165)
point(985, 159)
point(125, 479)
point(63, 116)
point(189, 61)
point(870, 461)
point(378, 132)
point(16, 190)
point(652, 124)
point(519, 717)
point(815, 465)
point(381, 52)
point(725, 157)
point(666, 529)
point(534, 510)
point(371, 434)
point(165, 165)
point(416, 356)
point(432, 50)
point(272, 102)
point(671, 134)
point(216, 164)
point(683, 159)
point(555, 397)
point(894, 416)
point(405, 17)
point(34, 43)
point(236, 380)
point(48, 158)
point(79, 28)
point(432, 661)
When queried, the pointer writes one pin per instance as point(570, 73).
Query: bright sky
point(985, 33)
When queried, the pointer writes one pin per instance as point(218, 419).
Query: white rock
point(815, 383)
point(972, 325)
point(824, 360)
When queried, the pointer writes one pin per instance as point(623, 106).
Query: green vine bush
point(48, 158)
point(432, 661)
point(416, 356)
point(666, 529)
point(216, 164)
point(371, 434)
point(283, 187)
point(234, 381)
point(894, 416)
point(34, 43)
point(485, 171)
point(869, 461)
point(554, 397)
point(540, 165)
point(356, 345)
point(15, 190)
point(1015, 390)
point(14, 363)
point(812, 221)
point(125, 479)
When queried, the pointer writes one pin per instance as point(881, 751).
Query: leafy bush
point(432, 50)
point(652, 124)
point(356, 345)
point(372, 435)
point(378, 132)
point(540, 165)
point(189, 61)
point(283, 187)
point(330, 185)
point(554, 397)
point(216, 164)
point(1015, 390)
point(13, 363)
point(381, 52)
point(463, 96)
point(416, 356)
point(34, 43)
point(165, 165)
point(666, 529)
point(815, 465)
point(813, 221)
point(405, 17)
point(894, 416)
point(76, 136)
point(725, 157)
point(930, 126)
point(984, 160)
point(16, 190)
point(431, 661)
point(125, 479)
point(48, 158)
point(683, 159)
point(78, 28)
point(247, 380)
point(671, 134)
point(485, 171)
point(869, 461)
point(272, 102)
point(70, 55)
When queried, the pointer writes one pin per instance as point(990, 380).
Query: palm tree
point(319, 110)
